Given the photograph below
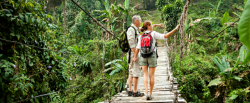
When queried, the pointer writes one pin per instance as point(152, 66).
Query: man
point(134, 67)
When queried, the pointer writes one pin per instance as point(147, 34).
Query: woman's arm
point(155, 25)
point(135, 55)
point(172, 32)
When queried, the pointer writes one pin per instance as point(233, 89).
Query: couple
point(144, 61)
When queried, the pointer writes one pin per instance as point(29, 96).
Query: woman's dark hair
point(145, 25)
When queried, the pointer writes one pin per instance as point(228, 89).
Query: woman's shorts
point(150, 61)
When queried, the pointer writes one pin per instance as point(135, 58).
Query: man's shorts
point(134, 67)
point(150, 61)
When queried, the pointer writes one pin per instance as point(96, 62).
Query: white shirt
point(132, 40)
point(155, 35)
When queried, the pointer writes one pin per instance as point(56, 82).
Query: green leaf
point(12, 19)
point(218, 5)
point(225, 18)
point(107, 7)
point(115, 71)
point(243, 52)
point(30, 63)
point(27, 18)
point(244, 31)
point(38, 20)
point(234, 96)
point(237, 78)
point(33, 19)
point(53, 62)
point(1, 55)
point(18, 36)
point(245, 1)
point(109, 69)
point(221, 68)
point(126, 4)
point(215, 82)
point(12, 34)
point(8, 15)
point(113, 61)
point(21, 16)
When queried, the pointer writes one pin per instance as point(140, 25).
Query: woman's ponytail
point(145, 25)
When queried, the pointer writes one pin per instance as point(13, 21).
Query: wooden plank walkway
point(164, 89)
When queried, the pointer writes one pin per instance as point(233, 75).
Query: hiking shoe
point(138, 94)
point(130, 93)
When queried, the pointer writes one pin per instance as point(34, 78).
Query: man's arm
point(133, 50)
point(131, 39)
point(135, 55)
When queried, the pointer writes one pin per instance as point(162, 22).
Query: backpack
point(146, 45)
point(123, 42)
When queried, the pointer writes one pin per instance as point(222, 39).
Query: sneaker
point(147, 96)
point(150, 97)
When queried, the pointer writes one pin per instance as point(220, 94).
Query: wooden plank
point(143, 99)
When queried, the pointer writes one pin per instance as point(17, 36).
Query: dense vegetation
point(212, 70)
point(75, 51)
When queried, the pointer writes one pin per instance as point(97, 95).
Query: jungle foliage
point(213, 70)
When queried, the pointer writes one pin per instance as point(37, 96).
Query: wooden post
point(172, 85)
point(167, 56)
point(176, 96)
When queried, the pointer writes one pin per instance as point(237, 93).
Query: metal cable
point(98, 23)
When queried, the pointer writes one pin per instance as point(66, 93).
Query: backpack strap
point(135, 31)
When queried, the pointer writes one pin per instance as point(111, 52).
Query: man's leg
point(130, 81)
point(135, 79)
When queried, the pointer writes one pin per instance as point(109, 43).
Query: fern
point(115, 71)
point(116, 67)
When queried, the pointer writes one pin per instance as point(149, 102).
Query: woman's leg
point(145, 78)
point(152, 78)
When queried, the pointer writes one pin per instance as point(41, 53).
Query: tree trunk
point(175, 41)
point(64, 24)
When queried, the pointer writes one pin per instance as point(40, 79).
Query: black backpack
point(123, 42)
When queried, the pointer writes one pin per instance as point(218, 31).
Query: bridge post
point(167, 57)
point(176, 96)
point(172, 85)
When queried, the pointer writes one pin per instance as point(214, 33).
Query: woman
point(150, 60)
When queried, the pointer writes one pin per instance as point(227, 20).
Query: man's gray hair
point(135, 17)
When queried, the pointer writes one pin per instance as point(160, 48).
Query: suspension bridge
point(165, 89)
